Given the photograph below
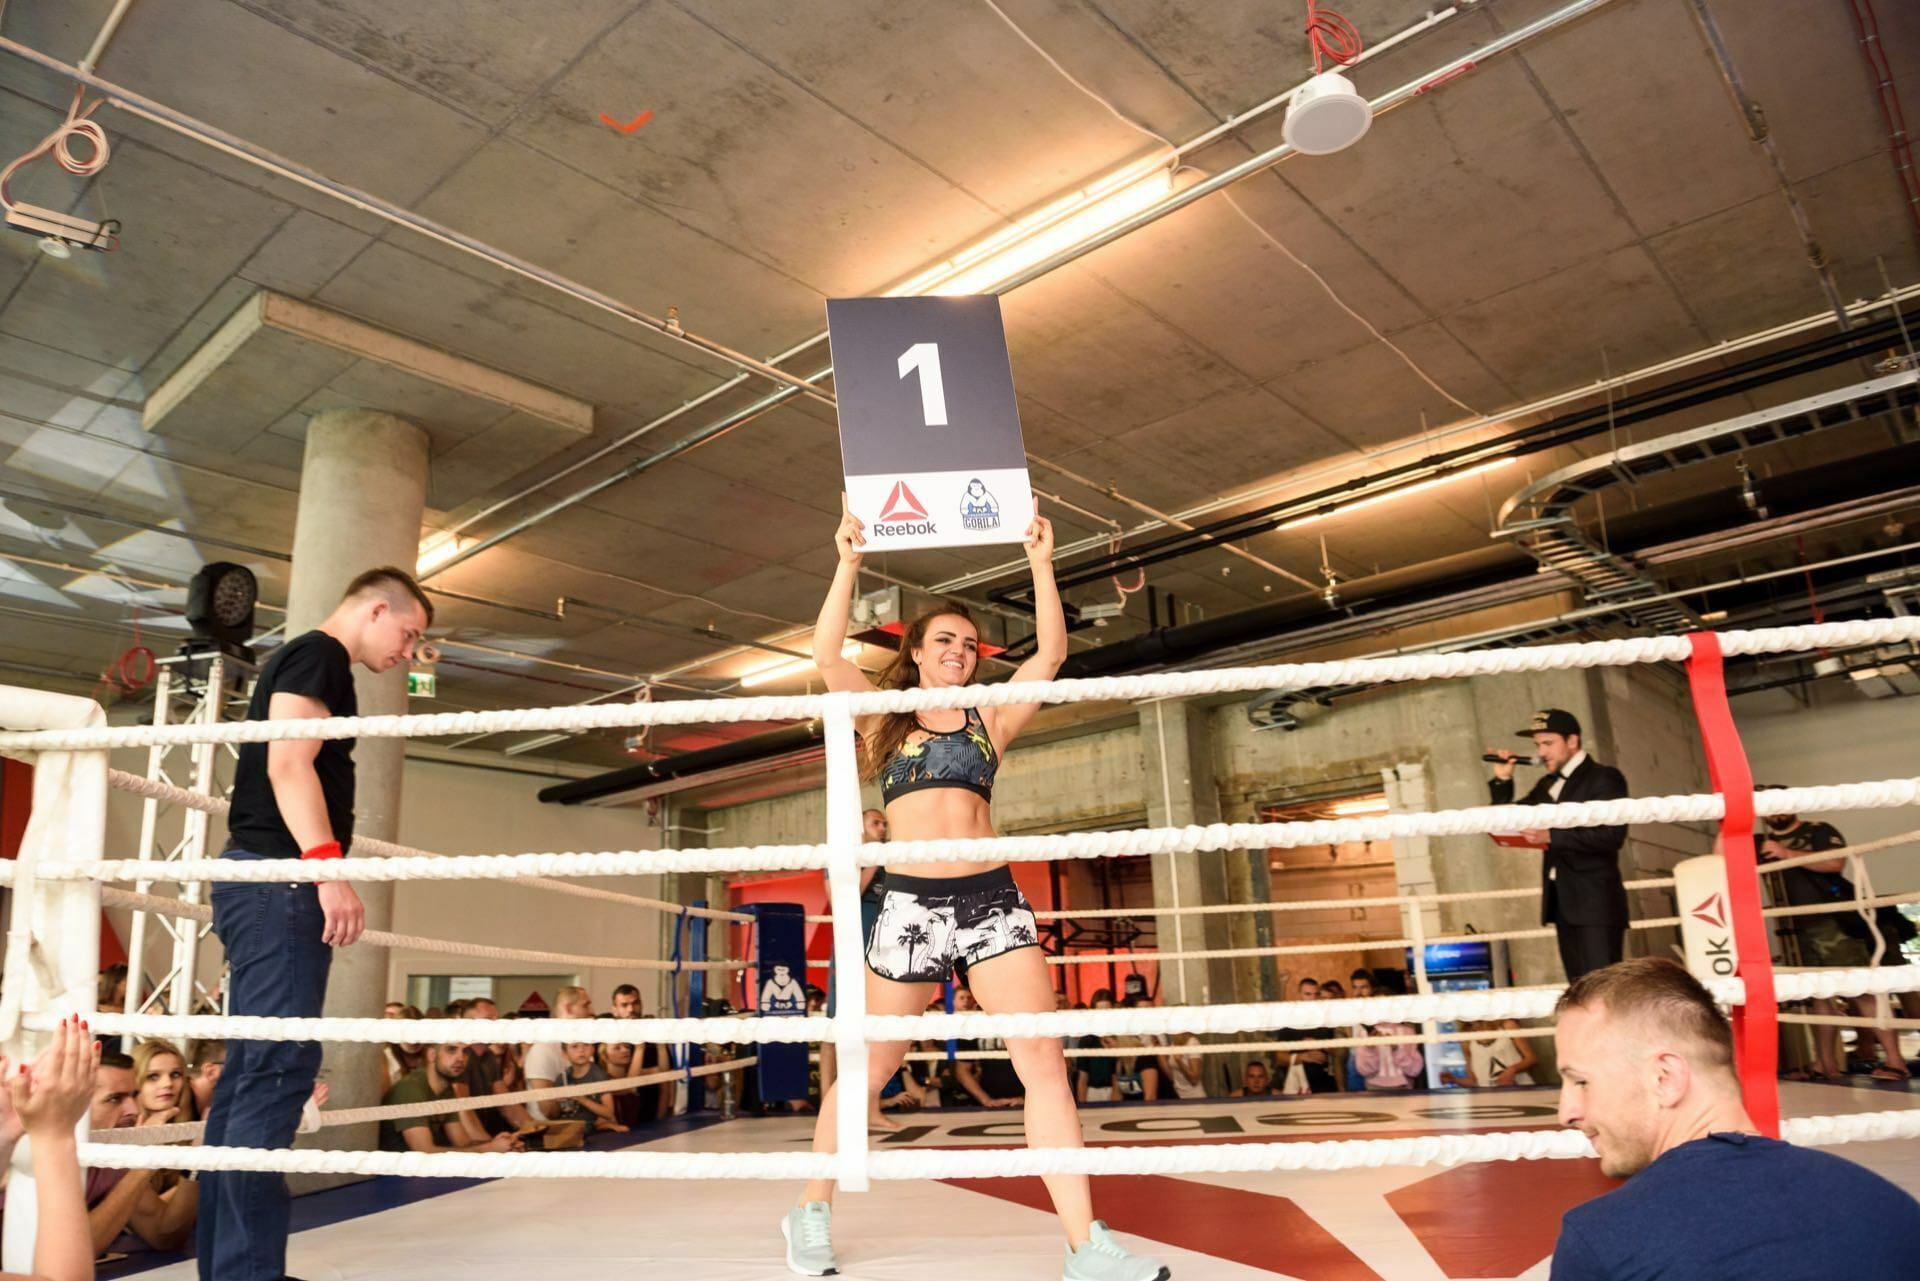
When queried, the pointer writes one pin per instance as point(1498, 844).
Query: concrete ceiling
point(1591, 202)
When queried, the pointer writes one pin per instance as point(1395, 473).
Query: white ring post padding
point(52, 953)
point(845, 833)
point(1357, 671)
point(1883, 794)
point(958, 1163)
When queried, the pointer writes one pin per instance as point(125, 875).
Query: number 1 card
point(929, 428)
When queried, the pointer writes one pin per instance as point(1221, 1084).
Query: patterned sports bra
point(963, 757)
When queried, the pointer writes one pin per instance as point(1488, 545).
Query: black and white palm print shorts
point(928, 923)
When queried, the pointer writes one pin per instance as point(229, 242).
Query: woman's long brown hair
point(904, 673)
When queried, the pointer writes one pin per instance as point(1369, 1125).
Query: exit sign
point(421, 684)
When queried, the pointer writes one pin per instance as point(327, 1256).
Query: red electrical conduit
point(1867, 23)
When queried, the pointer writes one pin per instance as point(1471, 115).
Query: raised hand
point(1504, 767)
point(851, 537)
point(50, 1097)
point(1040, 541)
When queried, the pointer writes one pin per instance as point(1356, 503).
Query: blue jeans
point(277, 967)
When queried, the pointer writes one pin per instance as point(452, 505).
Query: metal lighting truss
point(196, 685)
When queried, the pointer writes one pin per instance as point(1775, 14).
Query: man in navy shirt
point(1646, 1067)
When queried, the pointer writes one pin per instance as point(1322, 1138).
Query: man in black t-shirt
point(291, 800)
point(1838, 939)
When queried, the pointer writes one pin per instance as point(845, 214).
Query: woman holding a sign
point(936, 771)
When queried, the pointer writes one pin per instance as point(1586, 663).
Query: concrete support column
point(1180, 790)
point(363, 487)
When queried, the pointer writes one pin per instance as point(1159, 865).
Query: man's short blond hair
point(568, 996)
point(1659, 994)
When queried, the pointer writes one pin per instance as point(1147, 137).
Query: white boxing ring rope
point(1356, 671)
point(55, 868)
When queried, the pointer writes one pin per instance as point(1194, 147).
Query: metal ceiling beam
point(1541, 519)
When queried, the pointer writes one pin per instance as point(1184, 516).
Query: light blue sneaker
point(809, 1232)
point(1104, 1259)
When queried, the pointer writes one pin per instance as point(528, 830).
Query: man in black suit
point(1581, 893)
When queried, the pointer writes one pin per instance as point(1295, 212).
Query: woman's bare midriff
point(936, 814)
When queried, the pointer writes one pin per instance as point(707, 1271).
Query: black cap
point(1551, 720)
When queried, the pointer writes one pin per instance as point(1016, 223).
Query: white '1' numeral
point(925, 357)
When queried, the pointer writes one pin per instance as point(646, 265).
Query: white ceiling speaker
point(1326, 115)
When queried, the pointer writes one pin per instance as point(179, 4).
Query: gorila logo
point(979, 509)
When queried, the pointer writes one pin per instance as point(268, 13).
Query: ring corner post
point(53, 938)
point(843, 890)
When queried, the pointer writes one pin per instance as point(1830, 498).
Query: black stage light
point(220, 602)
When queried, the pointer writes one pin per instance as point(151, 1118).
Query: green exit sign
point(422, 684)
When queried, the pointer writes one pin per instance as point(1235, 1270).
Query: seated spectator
point(491, 1069)
point(1361, 980)
point(111, 995)
point(987, 1083)
point(1646, 1065)
point(44, 1103)
point(1094, 1073)
point(546, 1064)
point(1842, 939)
point(1186, 1073)
point(395, 1010)
point(457, 1009)
point(1331, 990)
point(125, 1211)
point(431, 1082)
point(592, 1110)
point(1256, 1082)
point(399, 1058)
point(1389, 1067)
point(1307, 1071)
point(160, 1082)
point(616, 1060)
point(1142, 1082)
point(1497, 1061)
point(655, 1102)
point(209, 1058)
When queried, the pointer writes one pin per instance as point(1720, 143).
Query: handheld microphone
point(1491, 759)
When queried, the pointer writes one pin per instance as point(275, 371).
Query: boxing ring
point(63, 878)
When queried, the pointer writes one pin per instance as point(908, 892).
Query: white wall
point(459, 809)
point(1840, 736)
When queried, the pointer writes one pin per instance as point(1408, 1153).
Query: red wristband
point(329, 850)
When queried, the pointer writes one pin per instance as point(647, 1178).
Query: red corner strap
point(1756, 1023)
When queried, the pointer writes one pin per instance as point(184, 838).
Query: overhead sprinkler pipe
point(1827, 350)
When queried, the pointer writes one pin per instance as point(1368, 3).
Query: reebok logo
point(1713, 912)
point(1719, 945)
point(902, 505)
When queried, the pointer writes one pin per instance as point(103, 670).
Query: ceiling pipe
point(239, 148)
point(105, 36)
point(1186, 643)
point(1114, 493)
point(1762, 371)
point(1713, 354)
point(1761, 135)
point(741, 751)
